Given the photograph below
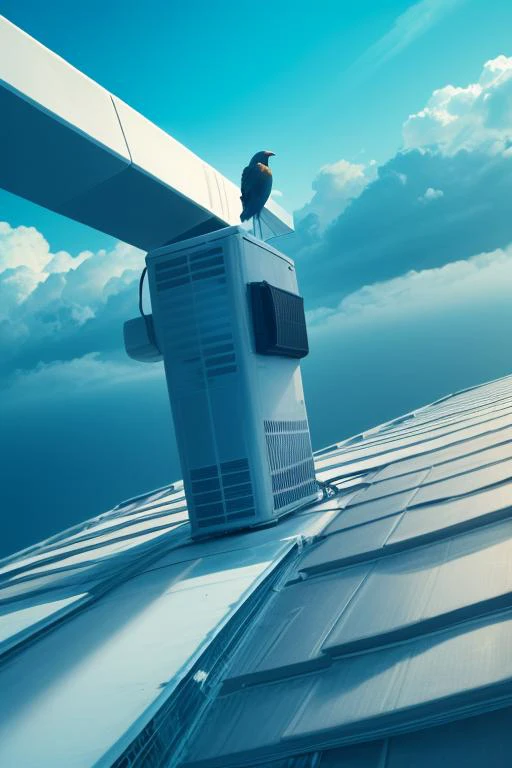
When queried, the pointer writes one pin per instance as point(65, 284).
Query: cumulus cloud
point(442, 198)
point(23, 247)
point(476, 116)
point(334, 187)
point(431, 194)
point(81, 375)
point(389, 229)
point(461, 282)
point(55, 306)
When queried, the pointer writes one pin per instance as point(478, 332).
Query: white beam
point(69, 145)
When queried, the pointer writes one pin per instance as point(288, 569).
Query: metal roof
point(69, 145)
point(371, 629)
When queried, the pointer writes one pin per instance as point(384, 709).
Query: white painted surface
point(48, 80)
point(63, 146)
point(18, 620)
point(76, 692)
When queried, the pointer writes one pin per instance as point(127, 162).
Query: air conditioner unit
point(230, 324)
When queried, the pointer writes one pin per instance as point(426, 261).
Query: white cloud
point(23, 247)
point(431, 194)
point(407, 28)
point(428, 205)
point(64, 262)
point(26, 263)
point(44, 294)
point(334, 187)
point(79, 376)
point(478, 116)
point(461, 282)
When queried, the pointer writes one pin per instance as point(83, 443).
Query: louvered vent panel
point(290, 459)
point(192, 288)
point(279, 322)
point(291, 330)
point(223, 493)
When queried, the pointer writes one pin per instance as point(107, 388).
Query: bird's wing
point(247, 181)
point(256, 186)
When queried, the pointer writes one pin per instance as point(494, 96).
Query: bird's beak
point(270, 154)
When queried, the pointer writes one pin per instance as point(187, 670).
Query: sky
point(392, 127)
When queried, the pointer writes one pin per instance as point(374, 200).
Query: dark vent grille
point(193, 287)
point(291, 461)
point(222, 493)
point(279, 321)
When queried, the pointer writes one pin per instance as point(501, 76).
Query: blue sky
point(315, 82)
point(392, 124)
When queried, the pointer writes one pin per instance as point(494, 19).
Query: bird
point(256, 187)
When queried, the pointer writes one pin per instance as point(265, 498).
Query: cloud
point(431, 194)
point(477, 116)
point(334, 187)
point(80, 376)
point(486, 275)
point(442, 198)
point(407, 28)
point(55, 306)
point(23, 247)
point(396, 224)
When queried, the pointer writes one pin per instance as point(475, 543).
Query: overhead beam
point(69, 145)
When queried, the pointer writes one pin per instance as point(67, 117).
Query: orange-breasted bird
point(256, 186)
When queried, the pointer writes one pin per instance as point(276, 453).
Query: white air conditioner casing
point(240, 417)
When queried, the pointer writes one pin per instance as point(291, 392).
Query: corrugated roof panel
point(99, 553)
point(427, 589)
point(465, 452)
point(389, 608)
point(464, 484)
point(362, 696)
point(422, 630)
point(291, 631)
point(109, 664)
point(339, 466)
point(85, 576)
point(27, 616)
point(93, 548)
point(463, 512)
point(389, 487)
point(477, 460)
point(130, 524)
point(417, 429)
point(484, 740)
point(360, 542)
point(371, 510)
point(456, 429)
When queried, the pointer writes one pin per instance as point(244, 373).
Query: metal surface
point(399, 616)
point(69, 145)
point(381, 616)
point(155, 602)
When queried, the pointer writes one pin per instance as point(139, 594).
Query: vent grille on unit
point(290, 459)
point(222, 493)
point(291, 330)
point(197, 324)
point(279, 321)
